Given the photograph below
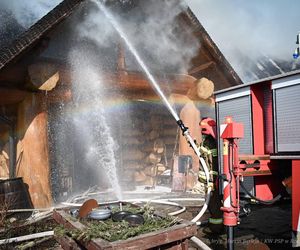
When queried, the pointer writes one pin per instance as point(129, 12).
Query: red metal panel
point(257, 95)
point(268, 119)
point(267, 187)
point(295, 194)
point(233, 130)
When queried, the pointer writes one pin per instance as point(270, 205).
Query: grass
point(112, 231)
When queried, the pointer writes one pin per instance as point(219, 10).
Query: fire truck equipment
point(231, 132)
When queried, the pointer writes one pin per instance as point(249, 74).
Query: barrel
point(14, 194)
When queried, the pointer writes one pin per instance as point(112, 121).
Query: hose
point(192, 143)
point(164, 202)
point(200, 243)
point(157, 89)
point(264, 202)
point(196, 240)
point(205, 206)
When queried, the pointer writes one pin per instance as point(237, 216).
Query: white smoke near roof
point(250, 28)
point(27, 12)
point(154, 30)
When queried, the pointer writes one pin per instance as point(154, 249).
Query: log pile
point(148, 141)
point(4, 164)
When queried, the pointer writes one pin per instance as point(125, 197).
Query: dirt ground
point(266, 227)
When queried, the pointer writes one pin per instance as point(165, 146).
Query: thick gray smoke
point(28, 12)
point(250, 28)
point(153, 29)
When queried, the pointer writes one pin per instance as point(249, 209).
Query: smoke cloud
point(250, 28)
point(154, 30)
point(28, 12)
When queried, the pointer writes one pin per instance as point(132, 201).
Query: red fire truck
point(259, 143)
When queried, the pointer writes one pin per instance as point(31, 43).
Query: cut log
point(160, 168)
point(156, 146)
point(4, 164)
point(153, 158)
point(43, 76)
point(159, 146)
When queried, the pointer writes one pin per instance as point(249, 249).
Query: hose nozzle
point(182, 127)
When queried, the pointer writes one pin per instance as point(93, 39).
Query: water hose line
point(156, 87)
point(264, 202)
point(194, 239)
point(192, 143)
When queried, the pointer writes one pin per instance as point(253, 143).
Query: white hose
point(205, 206)
point(200, 243)
point(196, 240)
point(206, 171)
point(164, 202)
point(201, 223)
point(156, 87)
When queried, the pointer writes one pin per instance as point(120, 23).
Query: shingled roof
point(36, 31)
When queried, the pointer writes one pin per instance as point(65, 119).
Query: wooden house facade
point(33, 86)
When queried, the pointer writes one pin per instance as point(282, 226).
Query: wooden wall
point(32, 148)
point(148, 142)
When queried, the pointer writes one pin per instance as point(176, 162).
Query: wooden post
point(32, 149)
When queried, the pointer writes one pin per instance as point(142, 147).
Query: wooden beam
point(14, 75)
point(137, 81)
point(10, 96)
point(202, 67)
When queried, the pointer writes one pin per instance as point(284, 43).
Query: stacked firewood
point(4, 161)
point(148, 142)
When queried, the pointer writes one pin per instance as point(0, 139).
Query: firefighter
point(190, 108)
point(208, 149)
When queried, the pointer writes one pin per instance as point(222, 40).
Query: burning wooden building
point(40, 98)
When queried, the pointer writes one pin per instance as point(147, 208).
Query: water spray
point(156, 87)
